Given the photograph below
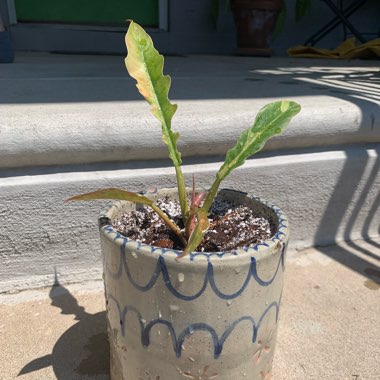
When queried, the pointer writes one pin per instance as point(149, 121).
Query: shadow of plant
point(83, 350)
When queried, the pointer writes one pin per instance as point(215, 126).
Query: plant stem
point(170, 224)
point(211, 194)
point(182, 193)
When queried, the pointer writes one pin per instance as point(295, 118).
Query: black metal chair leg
point(333, 23)
point(345, 21)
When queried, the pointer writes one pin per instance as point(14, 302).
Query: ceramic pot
point(205, 316)
point(255, 21)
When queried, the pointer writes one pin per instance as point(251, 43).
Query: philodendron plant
point(145, 65)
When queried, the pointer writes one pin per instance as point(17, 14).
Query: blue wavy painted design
point(161, 268)
point(178, 341)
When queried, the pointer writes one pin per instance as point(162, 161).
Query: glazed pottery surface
point(204, 316)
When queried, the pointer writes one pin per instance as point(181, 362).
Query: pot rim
point(278, 240)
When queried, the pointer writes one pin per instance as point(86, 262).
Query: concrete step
point(328, 196)
point(58, 110)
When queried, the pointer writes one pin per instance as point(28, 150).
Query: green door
point(88, 12)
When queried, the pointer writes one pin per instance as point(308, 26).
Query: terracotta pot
point(205, 316)
point(255, 21)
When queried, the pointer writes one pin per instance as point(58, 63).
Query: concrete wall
point(328, 196)
point(191, 30)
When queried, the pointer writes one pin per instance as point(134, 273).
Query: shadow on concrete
point(370, 180)
point(74, 79)
point(363, 260)
point(344, 82)
point(359, 87)
point(82, 351)
point(353, 261)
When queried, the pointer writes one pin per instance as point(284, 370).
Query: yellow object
point(347, 50)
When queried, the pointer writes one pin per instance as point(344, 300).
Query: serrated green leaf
point(113, 193)
point(120, 194)
point(270, 121)
point(302, 7)
point(145, 64)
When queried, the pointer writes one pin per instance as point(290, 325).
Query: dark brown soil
point(231, 226)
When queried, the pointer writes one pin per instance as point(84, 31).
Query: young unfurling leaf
point(196, 200)
point(198, 232)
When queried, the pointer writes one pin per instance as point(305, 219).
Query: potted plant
point(175, 310)
point(257, 21)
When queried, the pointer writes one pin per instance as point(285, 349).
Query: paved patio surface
point(329, 326)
